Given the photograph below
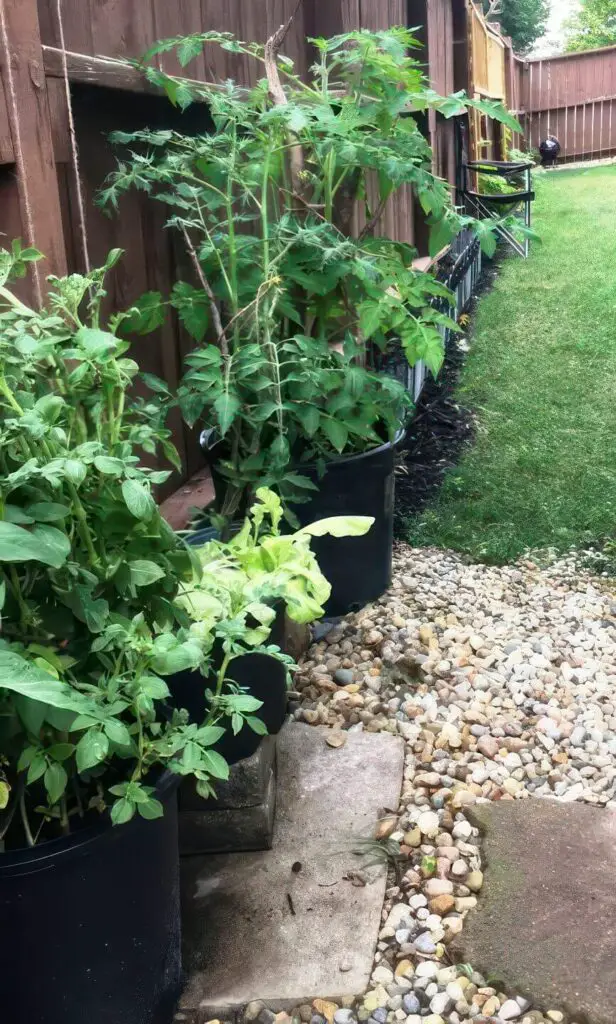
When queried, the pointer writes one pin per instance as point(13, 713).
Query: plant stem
point(24, 612)
point(24, 819)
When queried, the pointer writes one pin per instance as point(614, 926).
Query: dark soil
point(440, 431)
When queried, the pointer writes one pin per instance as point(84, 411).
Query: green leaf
point(21, 676)
point(339, 526)
point(5, 791)
point(243, 701)
point(117, 732)
point(47, 511)
point(55, 782)
point(441, 234)
point(150, 809)
point(139, 501)
point(208, 735)
point(336, 432)
point(227, 407)
point(154, 687)
point(75, 471)
point(193, 309)
point(42, 544)
point(188, 49)
point(95, 342)
point(122, 811)
point(256, 725)
point(215, 764)
point(38, 767)
point(92, 748)
point(145, 315)
point(54, 545)
point(186, 655)
point(143, 572)
point(109, 466)
point(309, 417)
point(61, 751)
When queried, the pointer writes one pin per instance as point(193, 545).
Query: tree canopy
point(524, 20)
point(593, 26)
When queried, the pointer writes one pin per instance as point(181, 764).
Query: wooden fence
point(574, 98)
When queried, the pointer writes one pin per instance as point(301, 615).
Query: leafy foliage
point(289, 284)
point(593, 26)
point(524, 20)
point(89, 576)
point(259, 566)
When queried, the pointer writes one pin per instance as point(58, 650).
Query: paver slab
point(545, 927)
point(285, 925)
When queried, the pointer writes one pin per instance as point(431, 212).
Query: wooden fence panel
point(573, 97)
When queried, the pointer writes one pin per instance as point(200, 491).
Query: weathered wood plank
point(29, 117)
point(7, 153)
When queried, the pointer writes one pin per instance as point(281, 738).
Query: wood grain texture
point(30, 122)
point(7, 153)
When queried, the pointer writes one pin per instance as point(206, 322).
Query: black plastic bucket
point(263, 676)
point(358, 568)
point(90, 924)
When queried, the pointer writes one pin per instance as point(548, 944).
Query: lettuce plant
point(261, 567)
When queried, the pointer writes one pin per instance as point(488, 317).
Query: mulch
point(441, 430)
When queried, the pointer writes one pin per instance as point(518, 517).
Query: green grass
point(541, 378)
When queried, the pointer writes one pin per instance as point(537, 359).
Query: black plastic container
point(262, 676)
point(358, 568)
point(90, 924)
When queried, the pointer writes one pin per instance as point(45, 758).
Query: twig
point(220, 332)
point(372, 223)
point(272, 48)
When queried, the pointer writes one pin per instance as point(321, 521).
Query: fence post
point(25, 87)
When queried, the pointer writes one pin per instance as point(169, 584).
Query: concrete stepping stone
point(286, 925)
point(545, 927)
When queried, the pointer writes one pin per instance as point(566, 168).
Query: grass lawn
point(541, 378)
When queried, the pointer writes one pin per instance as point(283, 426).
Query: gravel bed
point(502, 682)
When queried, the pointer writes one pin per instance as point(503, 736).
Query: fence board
point(572, 97)
point(24, 81)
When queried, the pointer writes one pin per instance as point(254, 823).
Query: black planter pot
point(358, 568)
point(262, 676)
point(91, 924)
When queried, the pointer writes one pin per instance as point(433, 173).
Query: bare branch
point(372, 223)
point(272, 49)
point(221, 337)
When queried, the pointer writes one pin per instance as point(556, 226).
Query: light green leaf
point(215, 764)
point(139, 501)
point(117, 732)
point(94, 342)
point(42, 544)
point(151, 809)
point(227, 407)
point(109, 466)
point(55, 782)
point(256, 725)
point(92, 748)
point(47, 511)
point(143, 572)
point(122, 811)
point(37, 769)
point(339, 526)
point(21, 676)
